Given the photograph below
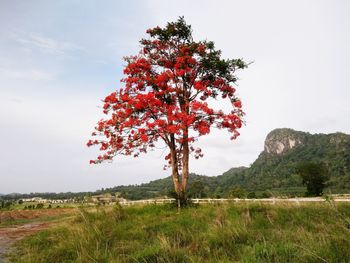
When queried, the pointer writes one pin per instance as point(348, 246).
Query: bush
point(251, 195)
point(266, 195)
point(40, 206)
point(238, 192)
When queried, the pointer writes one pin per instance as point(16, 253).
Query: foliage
point(167, 89)
point(197, 189)
point(39, 206)
point(314, 176)
point(265, 195)
point(5, 205)
point(222, 233)
point(251, 195)
point(238, 192)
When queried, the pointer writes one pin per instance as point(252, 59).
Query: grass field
point(22, 206)
point(317, 232)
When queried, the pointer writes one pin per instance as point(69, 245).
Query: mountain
point(285, 149)
point(274, 169)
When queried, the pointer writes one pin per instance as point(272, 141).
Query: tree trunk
point(185, 162)
point(175, 176)
point(175, 171)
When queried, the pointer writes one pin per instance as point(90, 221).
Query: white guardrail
point(225, 200)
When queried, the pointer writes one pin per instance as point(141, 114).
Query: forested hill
point(284, 149)
point(198, 185)
point(274, 170)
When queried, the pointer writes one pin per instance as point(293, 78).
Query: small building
point(107, 199)
point(33, 199)
point(104, 199)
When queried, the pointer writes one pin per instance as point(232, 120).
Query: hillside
point(284, 149)
point(162, 187)
point(274, 170)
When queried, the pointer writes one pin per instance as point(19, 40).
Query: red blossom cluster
point(165, 93)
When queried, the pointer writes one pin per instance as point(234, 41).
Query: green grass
point(21, 206)
point(221, 233)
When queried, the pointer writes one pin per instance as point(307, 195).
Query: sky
point(59, 59)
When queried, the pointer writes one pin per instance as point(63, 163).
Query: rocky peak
point(279, 141)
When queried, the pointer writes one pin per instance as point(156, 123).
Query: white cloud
point(44, 43)
point(25, 74)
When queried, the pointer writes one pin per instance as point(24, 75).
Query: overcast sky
point(58, 59)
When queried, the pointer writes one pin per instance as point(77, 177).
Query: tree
point(238, 192)
point(251, 195)
point(197, 189)
point(314, 176)
point(39, 206)
point(167, 89)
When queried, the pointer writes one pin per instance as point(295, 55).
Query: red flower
point(144, 138)
point(237, 104)
point(203, 128)
point(199, 85)
point(173, 129)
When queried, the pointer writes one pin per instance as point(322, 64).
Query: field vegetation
point(236, 232)
point(19, 217)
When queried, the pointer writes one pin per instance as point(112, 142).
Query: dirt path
point(9, 235)
point(12, 233)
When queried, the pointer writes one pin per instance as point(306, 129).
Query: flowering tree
point(167, 88)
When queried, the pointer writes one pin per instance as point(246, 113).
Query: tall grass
point(208, 233)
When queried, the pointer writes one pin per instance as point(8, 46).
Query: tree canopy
point(314, 176)
point(168, 88)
